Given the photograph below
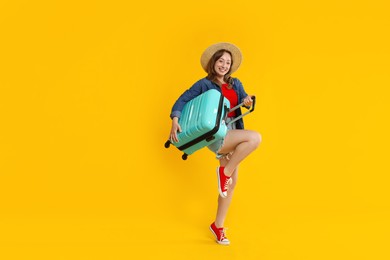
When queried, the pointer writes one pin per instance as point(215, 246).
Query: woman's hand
point(174, 129)
point(248, 101)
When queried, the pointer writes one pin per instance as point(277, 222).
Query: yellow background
point(86, 89)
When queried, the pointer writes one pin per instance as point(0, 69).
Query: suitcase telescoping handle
point(251, 109)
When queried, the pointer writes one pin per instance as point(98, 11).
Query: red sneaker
point(223, 182)
point(219, 234)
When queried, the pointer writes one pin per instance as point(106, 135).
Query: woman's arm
point(242, 95)
point(194, 91)
point(188, 95)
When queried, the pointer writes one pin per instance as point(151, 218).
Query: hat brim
point(233, 49)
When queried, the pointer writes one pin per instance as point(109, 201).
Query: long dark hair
point(212, 74)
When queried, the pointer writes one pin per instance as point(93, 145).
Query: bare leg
point(224, 203)
point(241, 143)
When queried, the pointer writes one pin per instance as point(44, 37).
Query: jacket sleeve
point(241, 95)
point(188, 95)
point(241, 91)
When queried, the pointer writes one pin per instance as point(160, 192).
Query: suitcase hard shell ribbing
point(202, 122)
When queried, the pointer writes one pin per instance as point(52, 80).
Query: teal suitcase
point(202, 122)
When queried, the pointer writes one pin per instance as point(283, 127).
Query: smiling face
point(222, 65)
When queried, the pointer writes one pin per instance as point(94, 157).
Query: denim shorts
point(217, 145)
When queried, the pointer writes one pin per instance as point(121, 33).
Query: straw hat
point(234, 50)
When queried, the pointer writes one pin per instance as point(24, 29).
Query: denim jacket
point(202, 86)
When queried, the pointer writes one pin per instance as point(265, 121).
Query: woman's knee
point(255, 139)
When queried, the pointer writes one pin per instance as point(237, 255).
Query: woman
point(220, 61)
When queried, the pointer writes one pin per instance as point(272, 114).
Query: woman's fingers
point(174, 137)
point(248, 101)
point(174, 132)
